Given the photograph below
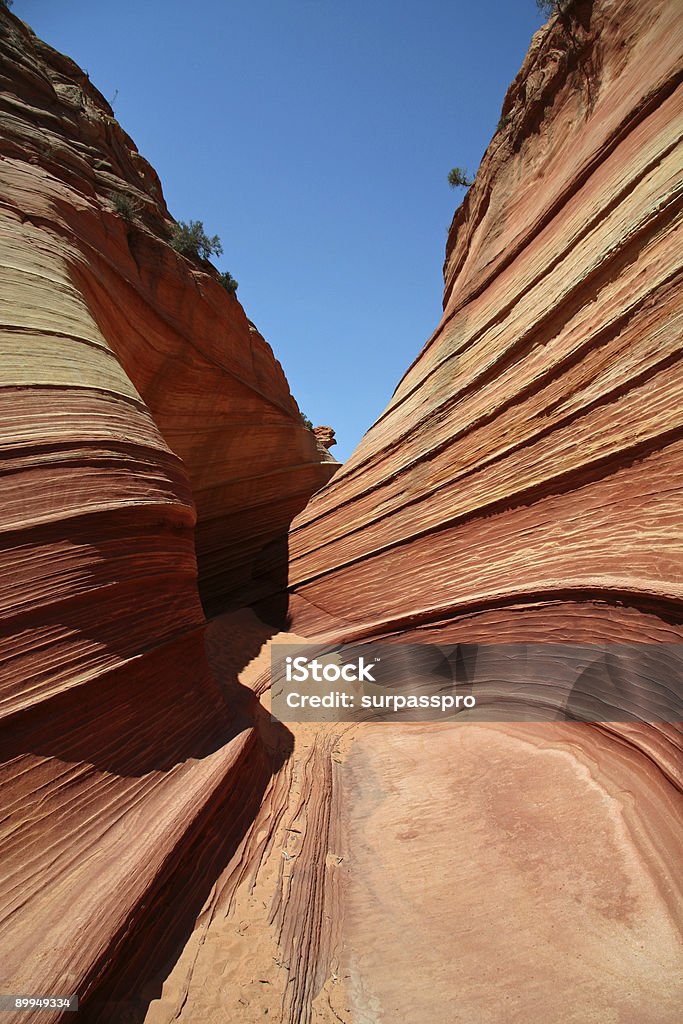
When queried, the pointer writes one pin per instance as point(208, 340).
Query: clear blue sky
point(315, 138)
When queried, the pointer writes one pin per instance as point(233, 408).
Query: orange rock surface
point(325, 436)
point(524, 485)
point(146, 427)
point(129, 339)
point(525, 479)
point(172, 854)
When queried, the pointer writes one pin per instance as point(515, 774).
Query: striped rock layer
point(168, 852)
point(524, 481)
point(146, 430)
point(524, 485)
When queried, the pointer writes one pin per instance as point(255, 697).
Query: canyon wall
point(169, 853)
point(103, 310)
point(146, 427)
point(524, 481)
point(524, 486)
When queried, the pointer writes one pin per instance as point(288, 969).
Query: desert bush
point(306, 422)
point(125, 206)
point(457, 176)
point(191, 240)
point(228, 282)
point(549, 7)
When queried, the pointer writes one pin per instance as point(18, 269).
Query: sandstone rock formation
point(170, 853)
point(524, 485)
point(523, 482)
point(117, 325)
point(146, 426)
point(325, 436)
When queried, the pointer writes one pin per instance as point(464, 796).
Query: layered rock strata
point(146, 428)
point(524, 481)
point(117, 327)
point(170, 853)
point(523, 485)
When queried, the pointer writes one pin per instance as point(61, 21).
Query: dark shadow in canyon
point(161, 709)
point(271, 571)
point(131, 972)
point(153, 943)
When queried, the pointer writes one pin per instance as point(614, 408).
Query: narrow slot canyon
point(173, 851)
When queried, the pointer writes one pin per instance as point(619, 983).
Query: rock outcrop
point(325, 436)
point(146, 427)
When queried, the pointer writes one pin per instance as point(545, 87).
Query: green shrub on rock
point(228, 282)
point(192, 241)
point(457, 176)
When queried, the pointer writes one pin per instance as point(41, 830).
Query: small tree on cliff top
point(229, 282)
point(550, 7)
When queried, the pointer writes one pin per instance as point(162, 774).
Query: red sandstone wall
point(145, 426)
point(524, 482)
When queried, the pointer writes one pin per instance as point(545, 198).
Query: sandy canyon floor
point(443, 873)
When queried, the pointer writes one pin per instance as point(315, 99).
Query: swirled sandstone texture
point(107, 327)
point(521, 485)
point(141, 414)
point(524, 485)
point(524, 482)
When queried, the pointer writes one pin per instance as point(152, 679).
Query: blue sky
point(315, 138)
